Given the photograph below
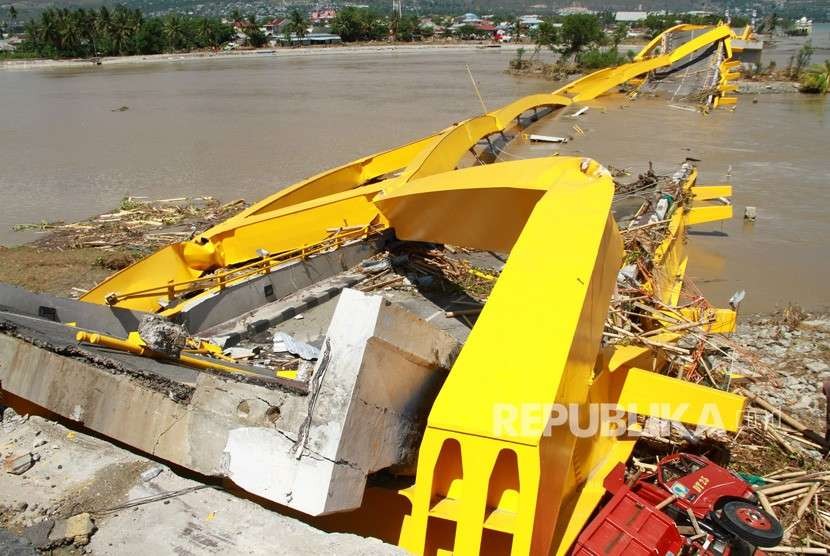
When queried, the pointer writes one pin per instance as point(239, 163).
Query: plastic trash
point(286, 343)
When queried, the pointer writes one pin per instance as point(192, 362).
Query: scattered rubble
point(162, 336)
point(17, 465)
point(103, 503)
point(141, 224)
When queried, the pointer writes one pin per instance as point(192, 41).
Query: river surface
point(243, 128)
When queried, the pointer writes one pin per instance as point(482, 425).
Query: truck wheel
point(751, 523)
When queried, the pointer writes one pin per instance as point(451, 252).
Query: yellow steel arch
point(300, 215)
point(647, 49)
point(599, 82)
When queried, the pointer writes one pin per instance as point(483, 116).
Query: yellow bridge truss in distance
point(299, 217)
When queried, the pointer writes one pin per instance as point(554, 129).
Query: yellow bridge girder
point(300, 215)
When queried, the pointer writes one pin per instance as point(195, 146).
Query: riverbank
point(69, 258)
point(305, 51)
point(755, 87)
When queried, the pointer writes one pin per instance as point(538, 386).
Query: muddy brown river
point(246, 127)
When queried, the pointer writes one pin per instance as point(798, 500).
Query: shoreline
point(330, 50)
point(271, 52)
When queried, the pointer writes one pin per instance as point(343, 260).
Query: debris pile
point(442, 267)
point(783, 368)
point(140, 224)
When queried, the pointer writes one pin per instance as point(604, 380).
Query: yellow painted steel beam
point(280, 230)
point(708, 213)
point(726, 101)
point(721, 321)
point(599, 82)
point(711, 192)
point(135, 344)
point(655, 395)
point(483, 207)
point(338, 180)
point(656, 41)
point(300, 214)
point(466, 461)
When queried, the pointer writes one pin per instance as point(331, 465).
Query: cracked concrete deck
point(78, 473)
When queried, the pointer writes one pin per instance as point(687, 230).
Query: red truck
point(688, 505)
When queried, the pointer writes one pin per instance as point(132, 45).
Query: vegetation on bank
point(121, 31)
point(581, 43)
point(816, 80)
point(812, 79)
point(363, 24)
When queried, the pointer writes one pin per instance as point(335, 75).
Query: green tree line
point(364, 24)
point(121, 31)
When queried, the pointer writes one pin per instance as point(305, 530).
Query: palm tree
point(174, 31)
point(297, 23)
point(12, 16)
point(204, 32)
point(120, 30)
point(34, 35)
point(68, 32)
point(394, 24)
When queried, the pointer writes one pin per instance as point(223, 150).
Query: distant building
point(469, 18)
point(323, 15)
point(573, 10)
point(275, 26)
point(242, 25)
point(310, 39)
point(630, 17)
point(486, 27)
point(530, 21)
point(802, 27)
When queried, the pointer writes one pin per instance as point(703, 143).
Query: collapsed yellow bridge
point(482, 488)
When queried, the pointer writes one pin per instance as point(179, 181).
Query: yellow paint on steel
point(343, 178)
point(658, 40)
point(701, 214)
point(664, 397)
point(710, 192)
point(472, 471)
point(135, 344)
point(300, 214)
point(229, 244)
point(484, 207)
point(480, 475)
point(597, 83)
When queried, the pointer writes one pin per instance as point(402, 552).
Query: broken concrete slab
point(75, 530)
point(38, 534)
point(19, 464)
point(368, 401)
point(90, 474)
point(109, 320)
point(309, 447)
point(205, 312)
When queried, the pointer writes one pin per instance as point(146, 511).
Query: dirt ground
point(59, 272)
point(138, 506)
point(68, 259)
